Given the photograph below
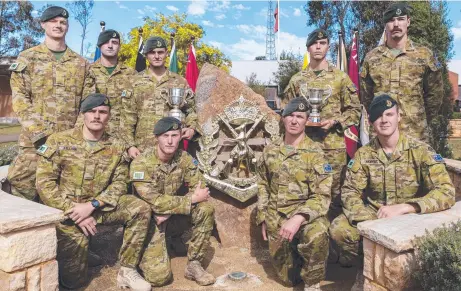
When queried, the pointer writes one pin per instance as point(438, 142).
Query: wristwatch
point(95, 203)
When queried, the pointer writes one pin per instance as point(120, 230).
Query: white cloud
point(150, 8)
point(297, 12)
point(207, 23)
point(216, 44)
point(241, 7)
point(262, 12)
point(237, 15)
point(121, 6)
point(34, 13)
point(140, 11)
point(283, 13)
point(219, 6)
point(456, 31)
point(220, 16)
point(254, 31)
point(172, 8)
point(220, 25)
point(197, 8)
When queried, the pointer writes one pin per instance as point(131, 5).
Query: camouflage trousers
point(305, 257)
point(337, 158)
point(21, 174)
point(155, 262)
point(347, 239)
point(131, 212)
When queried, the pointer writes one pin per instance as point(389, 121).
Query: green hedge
point(439, 256)
point(456, 115)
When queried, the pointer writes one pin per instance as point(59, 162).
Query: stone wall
point(455, 126)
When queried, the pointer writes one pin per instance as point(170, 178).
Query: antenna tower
point(270, 35)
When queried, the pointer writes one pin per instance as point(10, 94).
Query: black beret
point(380, 104)
point(396, 10)
point(106, 35)
point(52, 12)
point(94, 100)
point(153, 43)
point(298, 104)
point(166, 124)
point(316, 35)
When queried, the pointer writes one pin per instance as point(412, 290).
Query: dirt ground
point(220, 261)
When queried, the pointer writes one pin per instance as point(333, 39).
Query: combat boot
point(195, 272)
point(130, 278)
point(315, 287)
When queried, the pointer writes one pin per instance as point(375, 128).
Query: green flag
point(173, 60)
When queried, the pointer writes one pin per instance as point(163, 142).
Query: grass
point(10, 129)
point(455, 144)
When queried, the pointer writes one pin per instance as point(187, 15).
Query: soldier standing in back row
point(110, 77)
point(340, 111)
point(149, 101)
point(47, 83)
point(408, 73)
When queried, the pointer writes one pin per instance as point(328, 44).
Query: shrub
point(439, 258)
point(456, 115)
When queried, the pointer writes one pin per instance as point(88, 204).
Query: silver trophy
point(176, 98)
point(315, 97)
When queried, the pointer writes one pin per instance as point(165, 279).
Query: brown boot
point(195, 272)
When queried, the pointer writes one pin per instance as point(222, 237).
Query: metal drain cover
point(237, 276)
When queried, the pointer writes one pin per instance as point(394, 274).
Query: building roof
point(264, 71)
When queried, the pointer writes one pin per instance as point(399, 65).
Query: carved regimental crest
point(231, 144)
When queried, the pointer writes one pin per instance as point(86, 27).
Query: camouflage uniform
point(413, 79)
point(46, 98)
point(343, 106)
point(413, 174)
point(148, 104)
point(70, 171)
point(158, 183)
point(118, 86)
point(297, 182)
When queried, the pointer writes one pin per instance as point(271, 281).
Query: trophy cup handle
point(188, 94)
point(303, 91)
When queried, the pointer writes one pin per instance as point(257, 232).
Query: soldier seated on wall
point(293, 200)
point(392, 175)
point(157, 174)
point(83, 171)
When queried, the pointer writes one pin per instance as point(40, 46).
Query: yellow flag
point(306, 60)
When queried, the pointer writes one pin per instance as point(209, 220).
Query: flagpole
point(172, 35)
point(356, 34)
point(278, 31)
point(340, 49)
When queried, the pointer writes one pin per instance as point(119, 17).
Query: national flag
point(351, 134)
point(97, 53)
point(306, 60)
point(341, 59)
point(276, 16)
point(192, 69)
point(173, 59)
point(140, 59)
point(364, 127)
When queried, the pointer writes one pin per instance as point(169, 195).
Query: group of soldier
point(89, 130)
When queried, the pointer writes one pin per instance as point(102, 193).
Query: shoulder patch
point(438, 158)
point(351, 163)
point(17, 67)
point(138, 175)
point(194, 161)
point(42, 149)
point(327, 168)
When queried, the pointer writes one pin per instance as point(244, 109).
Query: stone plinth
point(27, 245)
point(454, 169)
point(388, 247)
point(455, 126)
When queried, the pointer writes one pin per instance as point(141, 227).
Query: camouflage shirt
point(148, 104)
point(343, 105)
point(46, 92)
point(412, 78)
point(157, 183)
point(118, 86)
point(70, 170)
point(295, 182)
point(413, 174)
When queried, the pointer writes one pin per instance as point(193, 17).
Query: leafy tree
point(163, 26)
point(19, 30)
point(256, 85)
point(81, 10)
point(260, 58)
point(289, 65)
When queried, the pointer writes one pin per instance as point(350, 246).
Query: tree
point(256, 85)
point(19, 30)
point(290, 65)
point(429, 27)
point(82, 12)
point(260, 58)
point(162, 26)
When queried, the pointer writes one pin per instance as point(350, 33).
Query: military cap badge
point(301, 106)
point(175, 126)
point(398, 11)
point(388, 103)
point(64, 13)
point(114, 34)
point(159, 44)
point(320, 35)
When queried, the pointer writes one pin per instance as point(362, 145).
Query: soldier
point(340, 111)
point(149, 101)
point(110, 77)
point(47, 83)
point(392, 175)
point(409, 73)
point(92, 170)
point(294, 194)
point(156, 176)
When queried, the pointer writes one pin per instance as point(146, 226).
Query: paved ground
point(221, 261)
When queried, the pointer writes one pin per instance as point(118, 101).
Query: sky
point(238, 28)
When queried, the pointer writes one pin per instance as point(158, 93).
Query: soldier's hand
point(159, 219)
point(200, 194)
point(88, 226)
point(264, 230)
point(291, 226)
point(395, 210)
point(187, 133)
point(80, 211)
point(326, 124)
point(133, 152)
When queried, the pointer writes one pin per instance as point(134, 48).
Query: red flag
point(192, 69)
point(351, 134)
point(276, 16)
